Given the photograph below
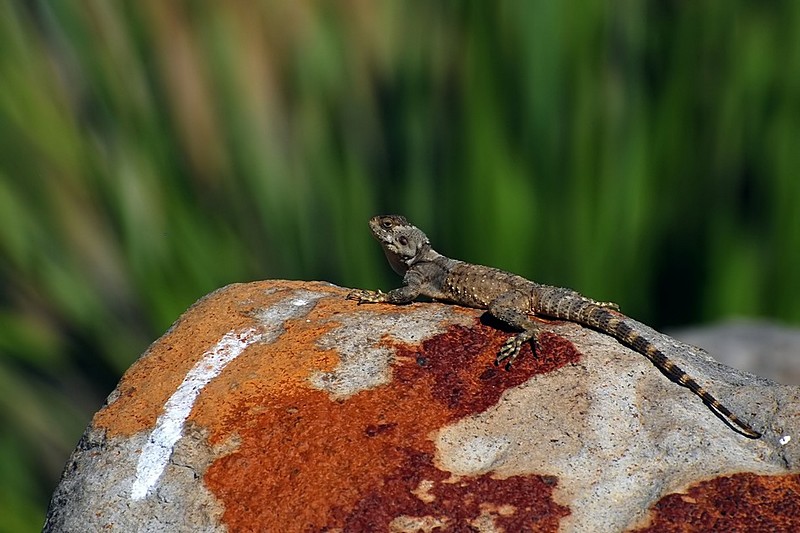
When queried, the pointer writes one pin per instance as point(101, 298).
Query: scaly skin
point(512, 299)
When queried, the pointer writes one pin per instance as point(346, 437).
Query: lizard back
point(477, 285)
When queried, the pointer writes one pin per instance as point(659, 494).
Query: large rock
point(281, 406)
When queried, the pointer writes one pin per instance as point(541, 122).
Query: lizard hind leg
point(507, 308)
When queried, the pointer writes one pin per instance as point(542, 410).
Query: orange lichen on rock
point(298, 455)
point(150, 381)
point(314, 462)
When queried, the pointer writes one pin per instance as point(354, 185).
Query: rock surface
point(281, 406)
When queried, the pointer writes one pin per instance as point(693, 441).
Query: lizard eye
point(403, 240)
point(386, 224)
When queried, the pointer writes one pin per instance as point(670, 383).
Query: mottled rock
point(281, 406)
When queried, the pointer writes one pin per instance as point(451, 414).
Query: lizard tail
point(618, 326)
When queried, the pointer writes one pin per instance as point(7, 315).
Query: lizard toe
point(508, 352)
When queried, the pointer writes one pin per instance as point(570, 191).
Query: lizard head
point(402, 242)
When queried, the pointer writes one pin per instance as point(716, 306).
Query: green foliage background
point(152, 151)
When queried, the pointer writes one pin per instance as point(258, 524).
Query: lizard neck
point(400, 265)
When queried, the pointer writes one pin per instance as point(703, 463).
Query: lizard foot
point(509, 351)
point(364, 296)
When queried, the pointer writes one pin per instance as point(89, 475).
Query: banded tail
point(593, 314)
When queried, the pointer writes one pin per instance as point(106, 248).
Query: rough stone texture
point(280, 406)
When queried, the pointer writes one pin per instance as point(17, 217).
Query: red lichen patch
point(150, 381)
point(460, 364)
point(553, 352)
point(307, 462)
point(419, 491)
point(742, 502)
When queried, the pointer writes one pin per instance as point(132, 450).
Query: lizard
point(513, 300)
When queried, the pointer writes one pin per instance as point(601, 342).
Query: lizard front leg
point(507, 308)
point(402, 295)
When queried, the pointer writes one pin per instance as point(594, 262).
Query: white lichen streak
point(169, 426)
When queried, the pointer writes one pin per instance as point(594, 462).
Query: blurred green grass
point(150, 152)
